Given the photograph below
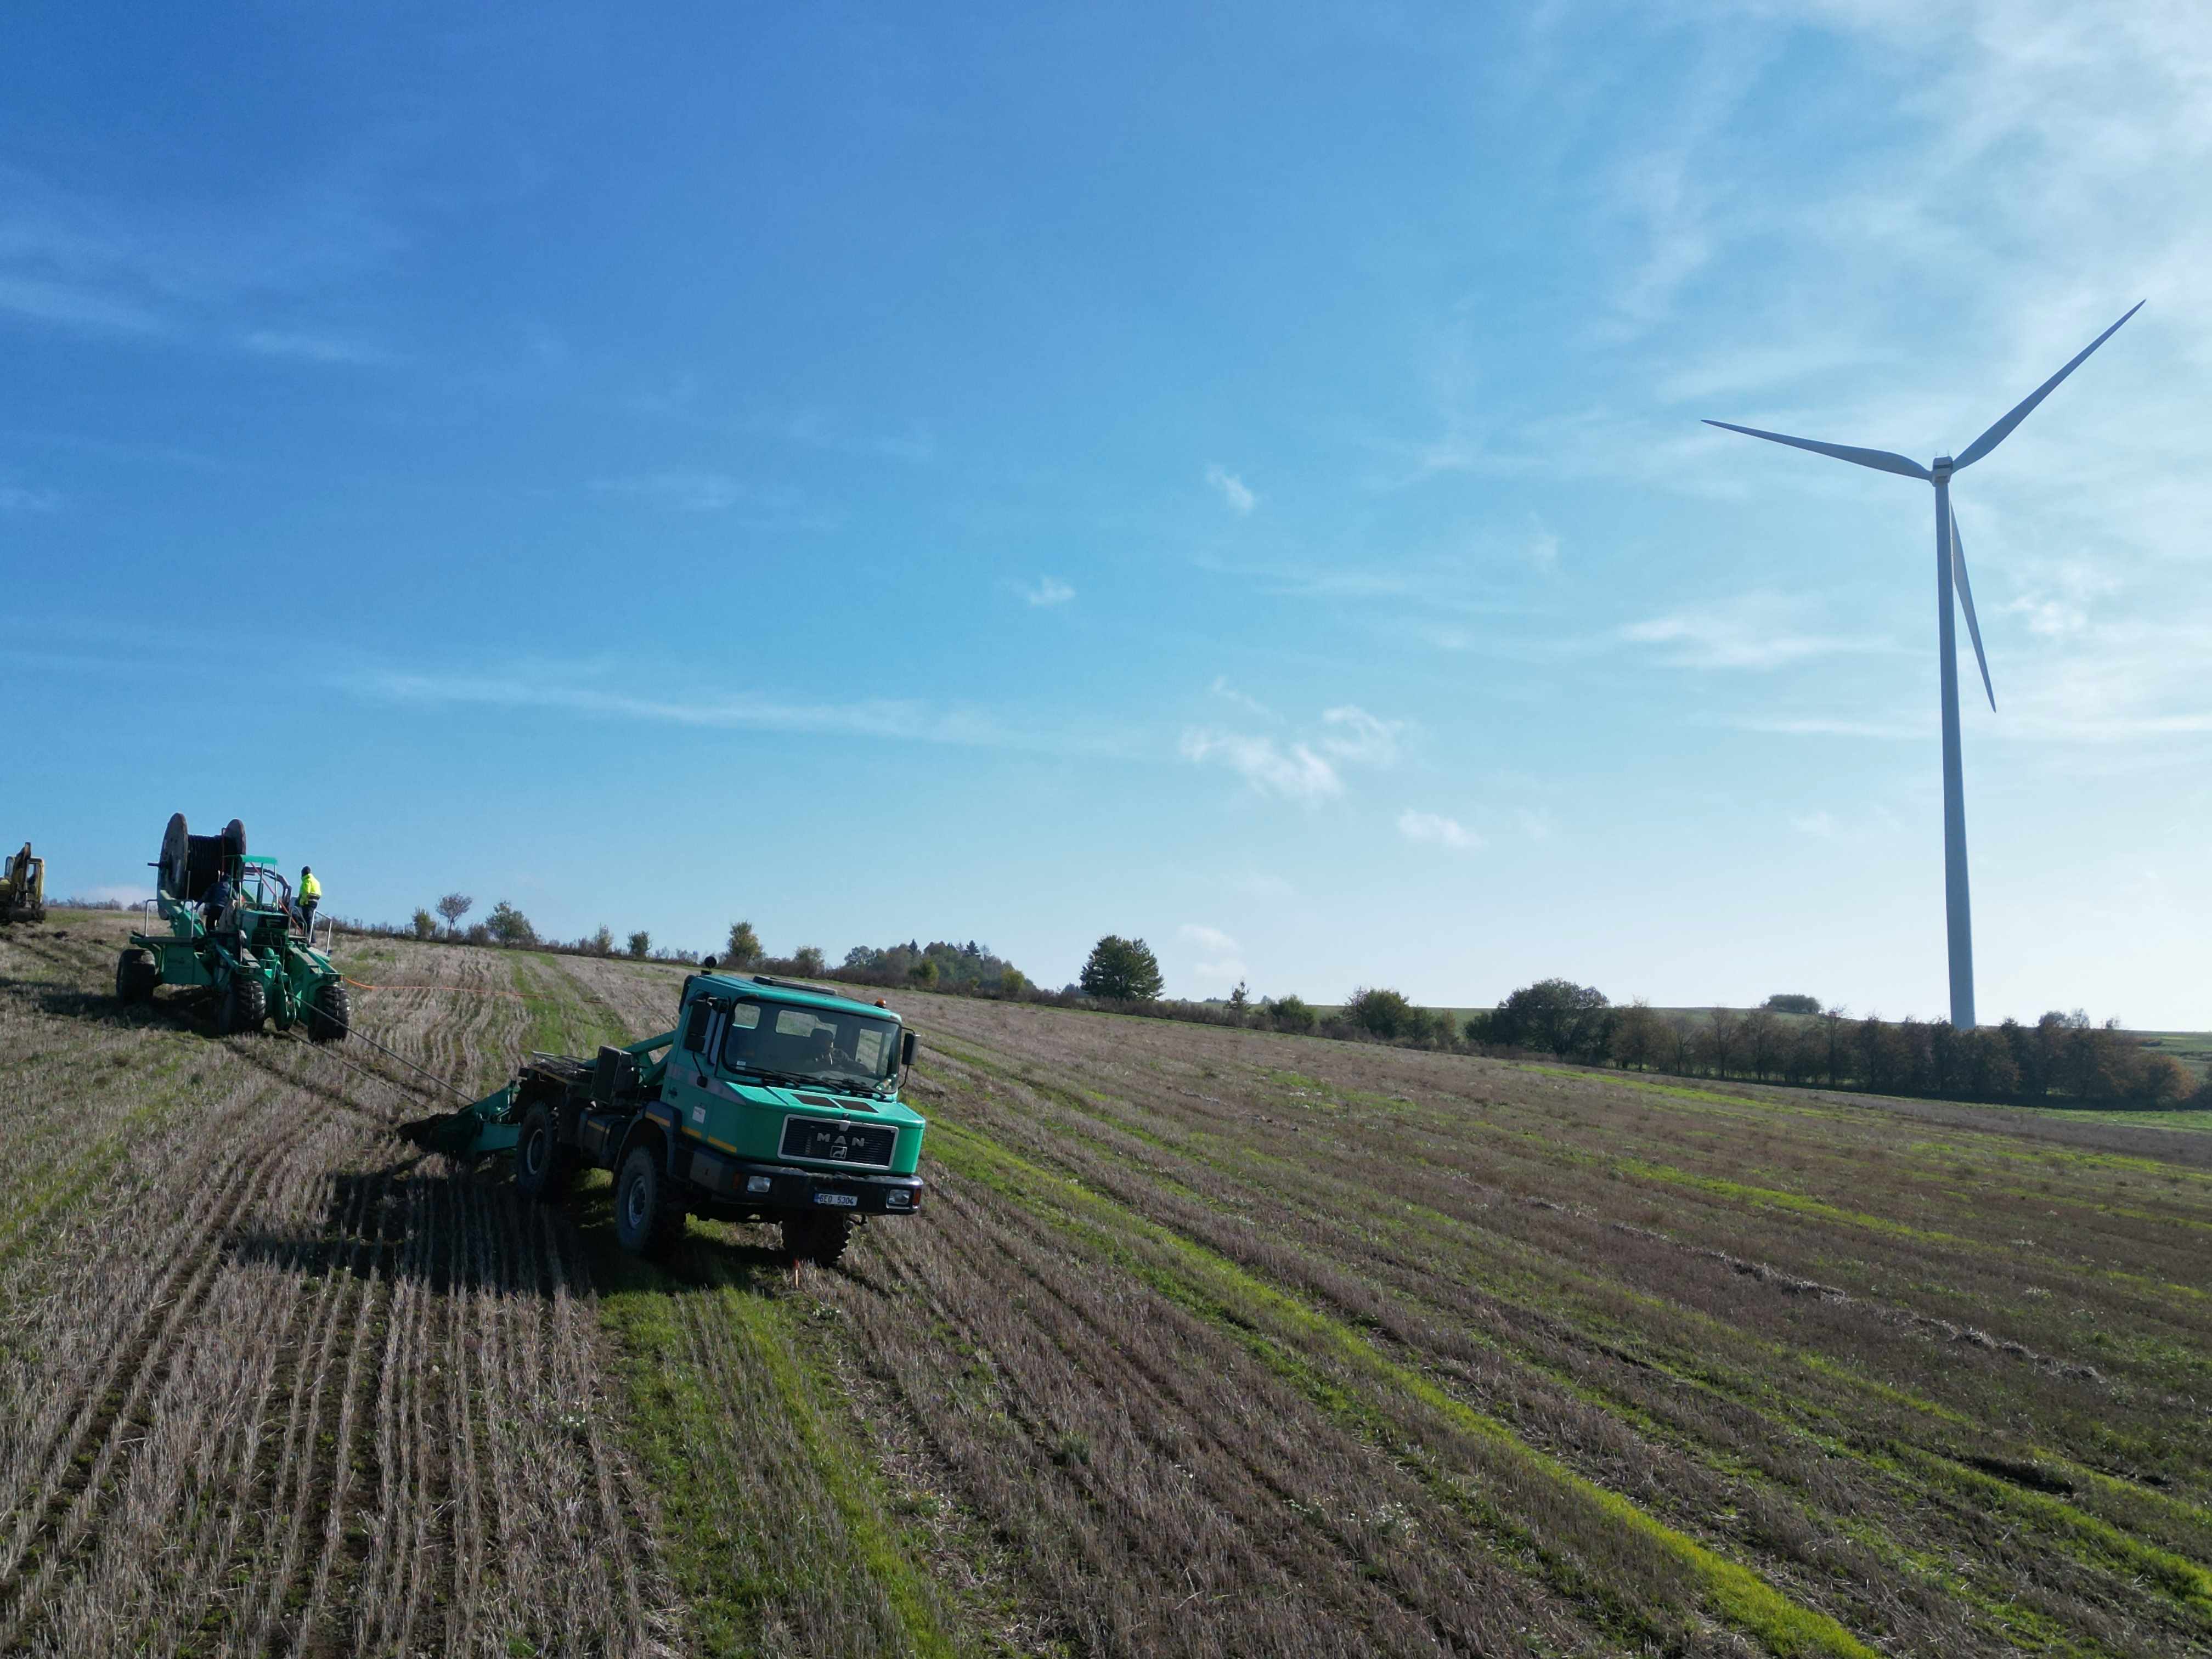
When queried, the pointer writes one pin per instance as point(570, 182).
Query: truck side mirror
point(906, 1049)
point(694, 1030)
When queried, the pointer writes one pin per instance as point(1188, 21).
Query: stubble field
point(1208, 1342)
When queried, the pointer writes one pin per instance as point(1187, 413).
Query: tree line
point(2060, 1056)
point(1792, 1038)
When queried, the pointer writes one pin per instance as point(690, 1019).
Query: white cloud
point(1048, 591)
point(13, 498)
point(1357, 736)
point(1754, 631)
point(1295, 773)
point(1232, 489)
point(1435, 829)
point(1208, 938)
point(314, 347)
point(1542, 548)
point(1821, 825)
point(1534, 824)
point(558, 685)
point(1251, 705)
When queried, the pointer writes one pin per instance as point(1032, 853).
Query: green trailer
point(255, 957)
point(770, 1101)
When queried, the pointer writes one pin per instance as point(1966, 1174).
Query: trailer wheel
point(816, 1236)
point(330, 1016)
point(544, 1168)
point(244, 1005)
point(648, 1217)
point(135, 976)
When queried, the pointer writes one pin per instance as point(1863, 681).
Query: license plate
point(843, 1201)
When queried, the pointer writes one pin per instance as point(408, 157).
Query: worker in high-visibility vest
point(310, 895)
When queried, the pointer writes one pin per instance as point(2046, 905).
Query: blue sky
point(1232, 475)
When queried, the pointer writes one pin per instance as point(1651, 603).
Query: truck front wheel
point(816, 1236)
point(543, 1166)
point(648, 1218)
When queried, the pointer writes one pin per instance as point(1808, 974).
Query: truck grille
point(862, 1146)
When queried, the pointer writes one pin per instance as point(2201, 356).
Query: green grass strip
point(672, 1422)
point(797, 1387)
point(1733, 1592)
point(2088, 1538)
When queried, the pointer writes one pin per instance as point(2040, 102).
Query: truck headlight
point(897, 1199)
point(758, 1184)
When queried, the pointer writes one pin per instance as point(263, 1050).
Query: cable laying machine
point(255, 957)
point(770, 1101)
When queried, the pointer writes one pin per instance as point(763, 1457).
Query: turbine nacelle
point(1942, 466)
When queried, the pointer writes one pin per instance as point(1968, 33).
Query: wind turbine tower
point(1950, 573)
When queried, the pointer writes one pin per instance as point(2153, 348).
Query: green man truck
point(770, 1102)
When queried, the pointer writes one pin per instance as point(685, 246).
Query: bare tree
point(453, 907)
point(1761, 1035)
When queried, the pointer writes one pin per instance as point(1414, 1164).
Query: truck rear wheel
point(648, 1218)
point(135, 976)
point(816, 1236)
point(244, 1005)
point(544, 1168)
point(330, 1016)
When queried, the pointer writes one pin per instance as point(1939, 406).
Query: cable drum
point(176, 855)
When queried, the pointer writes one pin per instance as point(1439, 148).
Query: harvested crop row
point(297, 1395)
point(1446, 1258)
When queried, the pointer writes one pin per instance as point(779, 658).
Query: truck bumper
point(748, 1184)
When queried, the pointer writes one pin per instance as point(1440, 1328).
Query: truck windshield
point(812, 1045)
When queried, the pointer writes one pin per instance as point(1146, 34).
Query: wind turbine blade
point(1997, 434)
point(1881, 460)
point(1966, 599)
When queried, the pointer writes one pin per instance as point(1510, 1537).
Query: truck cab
point(770, 1101)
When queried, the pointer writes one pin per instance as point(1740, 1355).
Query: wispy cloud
point(1226, 966)
point(1231, 489)
point(1306, 771)
point(1048, 591)
point(15, 498)
point(161, 268)
point(1251, 705)
point(1208, 938)
point(1821, 825)
point(46, 301)
point(1752, 631)
point(1294, 773)
point(565, 686)
point(314, 347)
point(1357, 736)
point(1435, 829)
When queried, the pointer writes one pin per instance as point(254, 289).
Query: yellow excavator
point(24, 888)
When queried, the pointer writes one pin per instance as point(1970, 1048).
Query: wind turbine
point(1950, 569)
